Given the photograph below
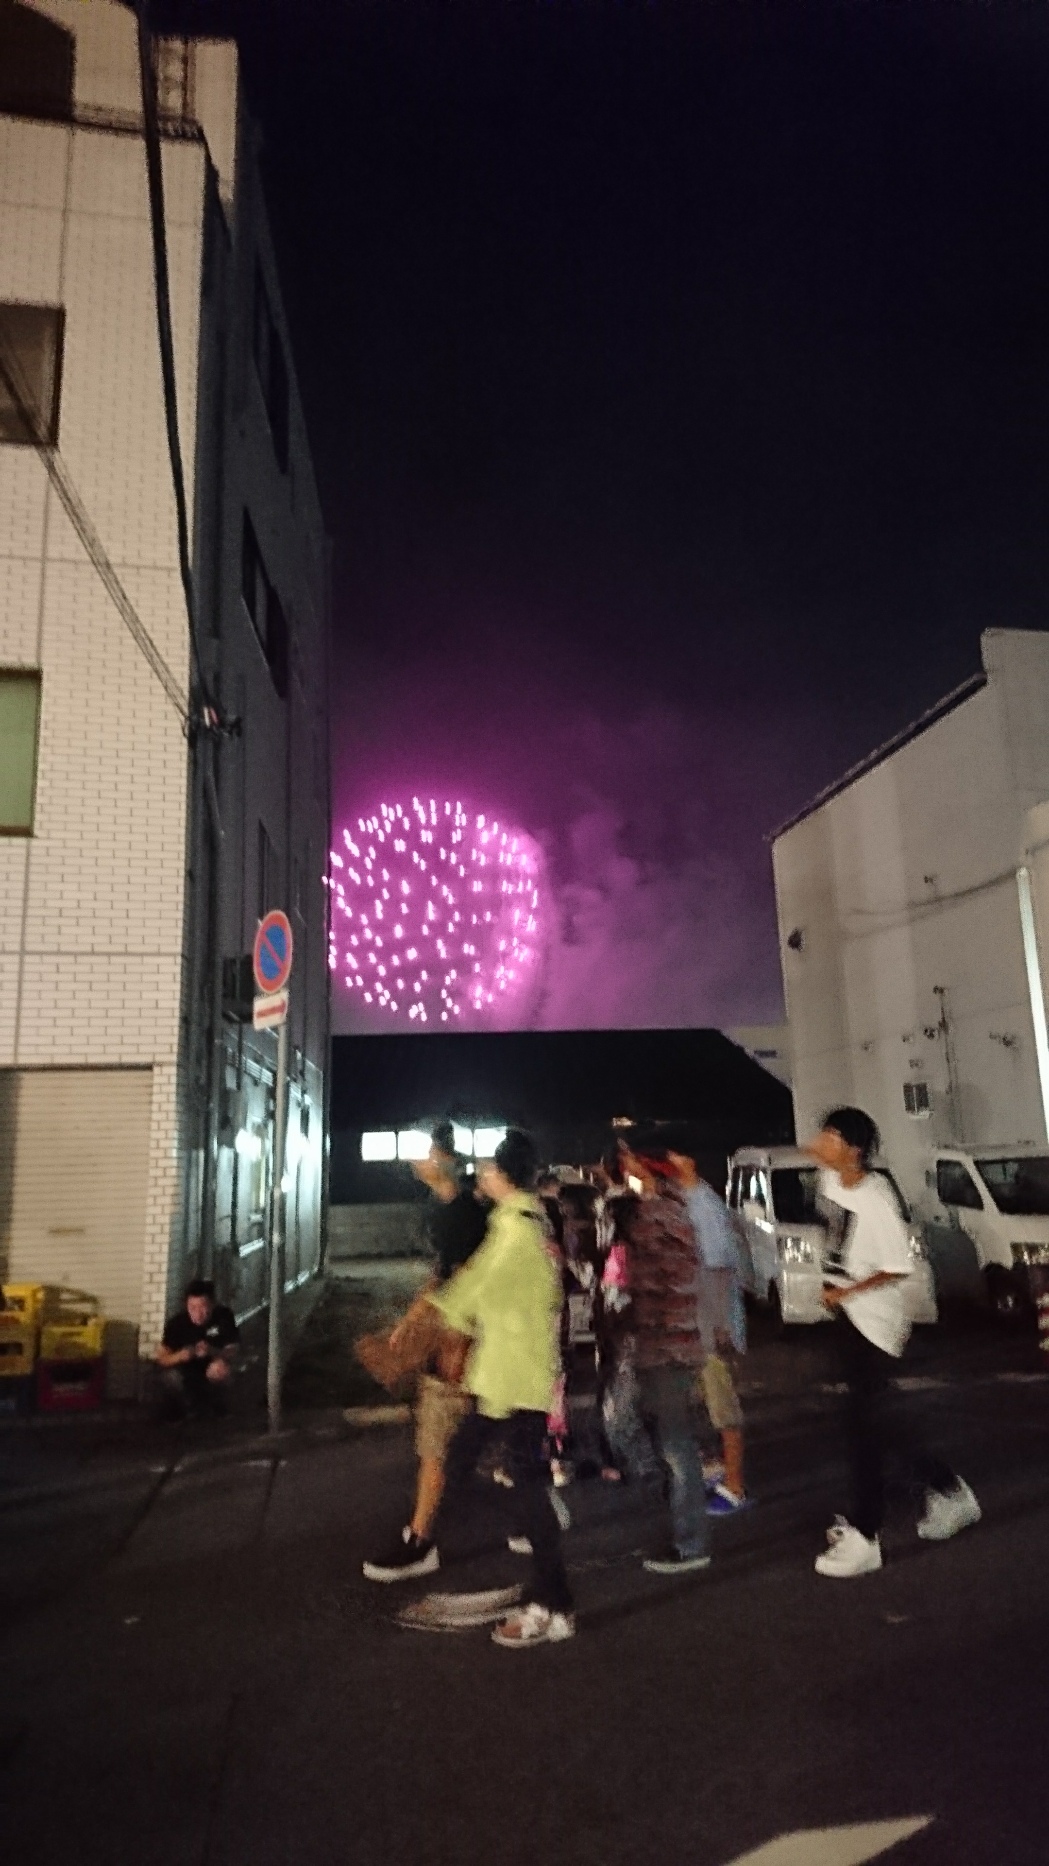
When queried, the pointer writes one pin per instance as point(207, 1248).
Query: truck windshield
point(1018, 1187)
point(795, 1195)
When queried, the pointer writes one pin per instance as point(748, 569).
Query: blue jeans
point(668, 1408)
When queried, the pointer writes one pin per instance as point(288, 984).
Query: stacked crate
point(71, 1365)
point(19, 1340)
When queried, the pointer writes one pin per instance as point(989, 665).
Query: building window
point(378, 1146)
point(272, 370)
point(269, 876)
point(36, 64)
point(31, 354)
point(916, 1099)
point(277, 653)
point(19, 723)
point(265, 609)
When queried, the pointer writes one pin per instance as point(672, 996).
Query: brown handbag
point(425, 1340)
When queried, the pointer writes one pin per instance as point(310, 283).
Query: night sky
point(678, 387)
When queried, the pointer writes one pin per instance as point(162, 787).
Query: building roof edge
point(957, 697)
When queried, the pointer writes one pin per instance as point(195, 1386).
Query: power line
point(162, 296)
point(61, 479)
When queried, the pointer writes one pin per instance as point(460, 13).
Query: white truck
point(775, 1192)
point(985, 1212)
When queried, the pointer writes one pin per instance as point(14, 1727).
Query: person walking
point(507, 1298)
point(723, 1321)
point(663, 1274)
point(869, 1300)
point(456, 1224)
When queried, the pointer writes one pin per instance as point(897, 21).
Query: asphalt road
point(195, 1674)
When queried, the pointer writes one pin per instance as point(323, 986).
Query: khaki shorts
point(440, 1411)
point(719, 1394)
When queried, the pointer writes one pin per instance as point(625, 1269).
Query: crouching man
point(196, 1355)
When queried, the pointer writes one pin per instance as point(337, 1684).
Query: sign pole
point(280, 1123)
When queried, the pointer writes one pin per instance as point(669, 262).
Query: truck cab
point(998, 1199)
point(775, 1192)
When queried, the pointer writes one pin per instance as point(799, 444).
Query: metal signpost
point(274, 948)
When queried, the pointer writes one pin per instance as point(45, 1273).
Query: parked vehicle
point(994, 1203)
point(775, 1191)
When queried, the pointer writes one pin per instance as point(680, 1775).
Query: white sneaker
point(519, 1545)
point(849, 1554)
point(534, 1626)
point(948, 1511)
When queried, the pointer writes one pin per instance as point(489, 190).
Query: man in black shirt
point(456, 1224)
point(196, 1354)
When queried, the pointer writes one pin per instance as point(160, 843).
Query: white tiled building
point(913, 906)
point(134, 1102)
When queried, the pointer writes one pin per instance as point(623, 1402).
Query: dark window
point(19, 720)
point(269, 878)
point(272, 370)
point(253, 582)
point(30, 372)
point(265, 609)
point(794, 1193)
point(277, 643)
point(36, 64)
point(916, 1097)
point(1020, 1187)
point(954, 1186)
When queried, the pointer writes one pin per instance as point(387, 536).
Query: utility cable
point(61, 479)
point(162, 294)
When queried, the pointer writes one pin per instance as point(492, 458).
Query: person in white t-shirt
point(870, 1300)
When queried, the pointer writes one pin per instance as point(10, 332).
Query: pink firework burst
point(435, 914)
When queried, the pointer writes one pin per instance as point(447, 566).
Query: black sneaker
point(673, 1562)
point(409, 1556)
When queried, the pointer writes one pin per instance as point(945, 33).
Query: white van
point(775, 1191)
point(998, 1198)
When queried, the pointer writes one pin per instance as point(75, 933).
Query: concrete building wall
point(899, 920)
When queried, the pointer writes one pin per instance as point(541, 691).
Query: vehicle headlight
point(1030, 1254)
point(798, 1250)
point(916, 1248)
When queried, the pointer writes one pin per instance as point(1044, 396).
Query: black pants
point(522, 1453)
point(877, 1426)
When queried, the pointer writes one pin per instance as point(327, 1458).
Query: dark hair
point(856, 1129)
point(442, 1135)
point(557, 1223)
point(517, 1158)
point(577, 1200)
point(612, 1162)
point(675, 1137)
point(201, 1286)
point(623, 1211)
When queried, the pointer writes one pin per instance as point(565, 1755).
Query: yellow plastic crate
point(18, 1340)
point(25, 1300)
point(73, 1341)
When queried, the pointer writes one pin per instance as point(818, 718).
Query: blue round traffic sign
point(274, 947)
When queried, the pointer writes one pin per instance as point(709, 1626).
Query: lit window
point(378, 1146)
point(19, 719)
point(463, 1140)
point(413, 1144)
point(486, 1140)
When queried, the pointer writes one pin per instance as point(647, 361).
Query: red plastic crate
point(70, 1386)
